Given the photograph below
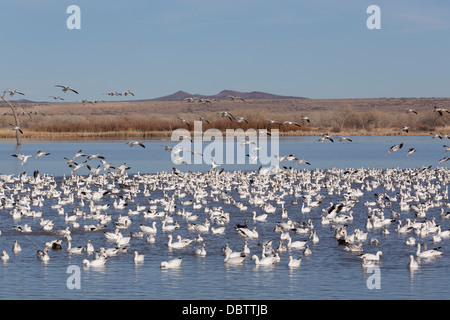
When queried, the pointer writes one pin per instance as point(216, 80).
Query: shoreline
point(134, 135)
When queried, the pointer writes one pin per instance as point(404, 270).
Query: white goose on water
point(174, 263)
point(113, 236)
point(295, 244)
point(138, 257)
point(233, 260)
point(432, 253)
point(411, 241)
point(372, 257)
point(148, 229)
point(201, 252)
point(293, 263)
point(16, 247)
point(5, 256)
point(89, 247)
point(349, 247)
point(100, 262)
point(170, 227)
point(219, 230)
point(123, 241)
point(245, 250)
point(247, 233)
point(43, 255)
point(307, 252)
point(313, 237)
point(264, 261)
point(262, 217)
point(176, 245)
point(75, 250)
point(412, 265)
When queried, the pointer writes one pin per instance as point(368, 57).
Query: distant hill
point(224, 95)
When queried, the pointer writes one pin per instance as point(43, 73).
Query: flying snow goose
point(66, 88)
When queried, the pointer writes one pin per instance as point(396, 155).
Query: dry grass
point(141, 119)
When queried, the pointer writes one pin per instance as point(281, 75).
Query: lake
point(328, 273)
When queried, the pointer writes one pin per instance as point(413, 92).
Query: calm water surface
point(329, 273)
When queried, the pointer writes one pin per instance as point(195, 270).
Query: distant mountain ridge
point(181, 95)
point(224, 95)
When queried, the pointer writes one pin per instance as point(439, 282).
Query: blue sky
point(318, 49)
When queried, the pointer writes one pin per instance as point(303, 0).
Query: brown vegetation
point(141, 119)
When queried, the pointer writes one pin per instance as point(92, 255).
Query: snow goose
point(89, 247)
point(5, 256)
point(43, 255)
point(219, 230)
point(276, 256)
point(100, 262)
point(247, 233)
point(48, 227)
point(174, 263)
point(66, 88)
point(264, 261)
point(198, 238)
point(245, 250)
point(436, 238)
point(295, 244)
point(112, 236)
point(443, 234)
point(305, 209)
point(123, 241)
point(24, 228)
point(307, 252)
point(110, 252)
point(343, 218)
point(75, 250)
point(313, 237)
point(293, 263)
point(138, 257)
point(412, 265)
point(148, 229)
point(22, 157)
point(71, 218)
point(411, 241)
point(304, 227)
point(284, 235)
point(176, 245)
point(349, 247)
point(184, 241)
point(432, 253)
point(138, 234)
point(170, 227)
point(16, 247)
point(233, 260)
point(151, 238)
point(262, 217)
point(201, 252)
point(372, 257)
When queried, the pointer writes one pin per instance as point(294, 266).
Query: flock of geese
point(275, 217)
point(282, 216)
point(65, 89)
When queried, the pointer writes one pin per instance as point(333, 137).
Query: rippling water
point(329, 273)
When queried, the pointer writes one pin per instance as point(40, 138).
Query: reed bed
point(122, 123)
